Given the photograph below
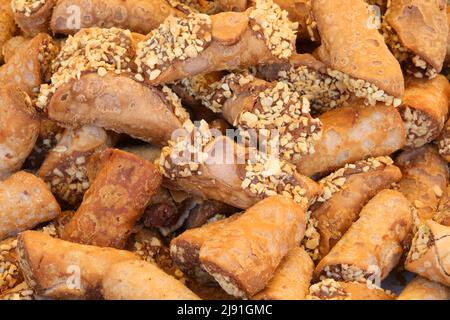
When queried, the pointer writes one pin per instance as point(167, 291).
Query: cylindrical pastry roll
point(185, 248)
point(116, 199)
point(30, 66)
point(429, 255)
point(205, 163)
point(330, 289)
point(19, 129)
point(33, 16)
point(356, 50)
point(25, 202)
point(7, 25)
point(423, 289)
point(292, 278)
point(346, 192)
point(374, 243)
point(425, 179)
point(444, 142)
point(182, 48)
point(139, 16)
point(351, 134)
point(59, 269)
point(140, 280)
point(244, 255)
point(64, 169)
point(255, 106)
point(425, 48)
point(424, 109)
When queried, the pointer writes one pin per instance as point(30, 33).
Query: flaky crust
point(434, 264)
point(64, 270)
point(348, 291)
point(13, 45)
point(25, 202)
point(354, 47)
point(7, 25)
point(354, 133)
point(443, 142)
point(140, 111)
point(336, 215)
point(422, 28)
point(19, 129)
point(375, 239)
point(425, 179)
point(38, 21)
point(27, 76)
point(423, 289)
point(116, 199)
point(244, 255)
point(291, 279)
point(139, 16)
point(140, 280)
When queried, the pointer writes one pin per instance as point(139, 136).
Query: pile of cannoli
point(224, 149)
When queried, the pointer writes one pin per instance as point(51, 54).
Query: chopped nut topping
point(328, 289)
point(10, 274)
point(419, 127)
point(345, 272)
point(273, 24)
point(26, 7)
point(334, 182)
point(444, 142)
point(311, 240)
point(20, 292)
point(92, 49)
point(422, 242)
point(179, 111)
point(175, 39)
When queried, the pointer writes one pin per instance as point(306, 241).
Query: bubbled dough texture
point(353, 47)
point(422, 28)
point(51, 263)
point(25, 202)
point(139, 16)
point(375, 239)
point(250, 249)
point(423, 169)
point(19, 130)
point(423, 289)
point(354, 133)
point(138, 111)
point(7, 24)
point(360, 291)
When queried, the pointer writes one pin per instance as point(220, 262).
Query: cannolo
point(140, 280)
point(64, 169)
point(205, 163)
point(7, 25)
point(10, 275)
point(330, 289)
point(86, 88)
point(116, 199)
point(351, 134)
point(255, 107)
point(292, 278)
point(244, 255)
point(139, 16)
point(422, 51)
point(185, 248)
point(19, 129)
point(443, 142)
point(373, 245)
point(425, 179)
point(59, 269)
point(33, 16)
point(29, 67)
point(355, 50)
point(423, 289)
point(346, 192)
point(181, 48)
point(25, 203)
point(429, 253)
point(424, 109)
